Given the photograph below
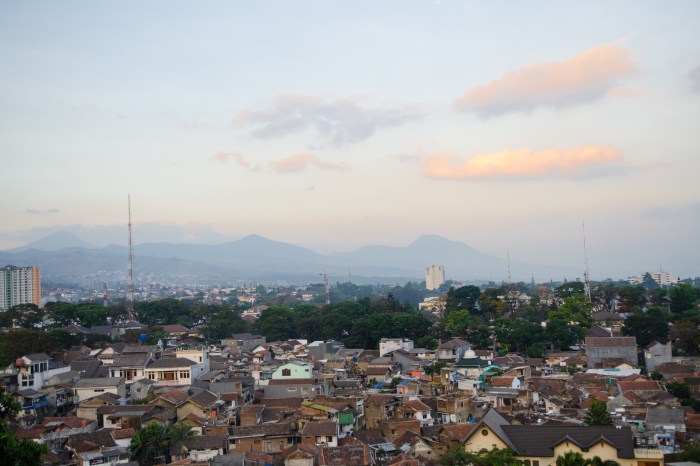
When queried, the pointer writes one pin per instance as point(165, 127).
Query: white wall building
point(19, 285)
point(434, 277)
point(387, 345)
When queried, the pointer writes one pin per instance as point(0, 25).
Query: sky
point(332, 125)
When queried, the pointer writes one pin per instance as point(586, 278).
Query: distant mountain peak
point(55, 242)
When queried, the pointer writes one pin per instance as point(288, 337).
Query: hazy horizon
point(334, 125)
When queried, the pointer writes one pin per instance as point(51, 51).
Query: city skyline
point(333, 125)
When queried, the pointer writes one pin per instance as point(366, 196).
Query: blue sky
point(332, 125)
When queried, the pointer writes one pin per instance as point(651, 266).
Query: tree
point(569, 289)
point(678, 389)
point(683, 297)
point(178, 432)
point(494, 457)
point(571, 458)
point(562, 335)
point(647, 326)
point(597, 415)
point(464, 297)
point(631, 299)
point(149, 445)
point(575, 308)
point(597, 461)
point(18, 342)
point(12, 451)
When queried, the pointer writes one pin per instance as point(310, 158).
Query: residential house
point(204, 404)
point(416, 409)
point(199, 448)
point(388, 345)
point(174, 371)
point(611, 352)
point(294, 388)
point(294, 370)
point(242, 342)
point(265, 438)
point(33, 370)
point(656, 353)
point(541, 445)
point(452, 350)
point(85, 389)
point(320, 433)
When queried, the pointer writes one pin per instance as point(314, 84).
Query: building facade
point(19, 285)
point(434, 277)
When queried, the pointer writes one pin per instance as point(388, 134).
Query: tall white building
point(434, 277)
point(19, 285)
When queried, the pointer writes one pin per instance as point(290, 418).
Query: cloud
point(339, 122)
point(224, 157)
point(521, 163)
point(41, 212)
point(302, 161)
point(694, 77)
point(581, 79)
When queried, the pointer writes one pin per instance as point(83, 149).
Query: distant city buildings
point(660, 277)
point(19, 285)
point(434, 277)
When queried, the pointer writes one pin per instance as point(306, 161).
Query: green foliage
point(23, 316)
point(149, 445)
point(569, 289)
point(84, 314)
point(562, 334)
point(178, 432)
point(494, 457)
point(12, 451)
point(571, 458)
point(434, 368)
point(463, 298)
point(631, 298)
point(597, 415)
point(648, 326)
point(223, 323)
point(688, 335)
point(18, 342)
point(678, 389)
point(575, 309)
point(684, 297)
point(163, 312)
point(536, 350)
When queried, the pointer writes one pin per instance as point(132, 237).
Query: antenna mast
point(328, 288)
point(586, 283)
point(508, 256)
point(130, 274)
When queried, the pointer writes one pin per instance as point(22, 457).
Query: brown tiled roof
point(414, 405)
point(457, 432)
point(282, 402)
point(205, 399)
point(609, 342)
point(125, 433)
point(376, 399)
point(320, 428)
point(283, 429)
point(91, 440)
point(291, 382)
point(453, 344)
point(348, 455)
point(369, 436)
point(201, 442)
point(639, 385)
point(167, 363)
point(175, 397)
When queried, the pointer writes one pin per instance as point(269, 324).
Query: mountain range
point(63, 257)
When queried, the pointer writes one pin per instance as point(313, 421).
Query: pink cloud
point(584, 78)
point(520, 163)
point(304, 160)
point(223, 157)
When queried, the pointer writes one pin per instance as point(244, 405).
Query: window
point(286, 372)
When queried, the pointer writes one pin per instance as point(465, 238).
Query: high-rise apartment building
point(434, 277)
point(19, 285)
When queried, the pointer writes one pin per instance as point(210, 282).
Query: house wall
point(82, 394)
point(293, 371)
point(483, 438)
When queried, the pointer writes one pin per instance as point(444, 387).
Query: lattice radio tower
point(586, 282)
point(130, 274)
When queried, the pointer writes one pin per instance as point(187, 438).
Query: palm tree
point(597, 461)
point(178, 432)
point(572, 458)
point(148, 445)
